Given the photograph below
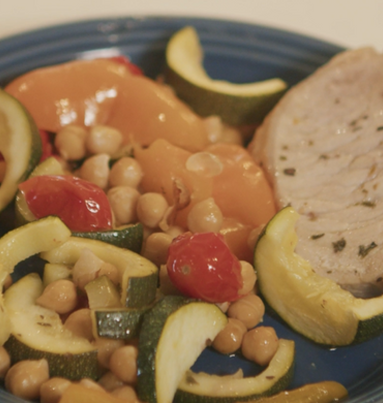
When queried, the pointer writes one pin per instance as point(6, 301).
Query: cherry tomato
point(133, 68)
point(201, 265)
point(81, 205)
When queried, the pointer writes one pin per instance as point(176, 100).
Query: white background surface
point(350, 23)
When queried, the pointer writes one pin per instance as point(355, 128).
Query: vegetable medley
point(146, 216)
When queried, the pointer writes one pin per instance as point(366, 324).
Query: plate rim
point(81, 25)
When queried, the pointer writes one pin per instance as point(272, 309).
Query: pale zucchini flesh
point(172, 336)
point(22, 243)
point(38, 332)
point(20, 145)
point(205, 388)
point(319, 392)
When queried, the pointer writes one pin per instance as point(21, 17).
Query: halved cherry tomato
point(81, 205)
point(201, 265)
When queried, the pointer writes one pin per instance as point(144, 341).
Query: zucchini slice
point(314, 306)
point(319, 392)
point(21, 243)
point(172, 336)
point(38, 332)
point(206, 388)
point(54, 272)
point(139, 276)
point(128, 237)
point(122, 323)
point(236, 104)
point(20, 145)
point(102, 293)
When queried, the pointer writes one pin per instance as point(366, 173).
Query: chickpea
point(86, 268)
point(260, 344)
point(151, 208)
point(60, 295)
point(156, 247)
point(80, 324)
point(111, 271)
point(248, 309)
point(231, 135)
point(123, 201)
point(125, 172)
point(103, 139)
point(249, 277)
point(126, 393)
point(52, 390)
point(109, 381)
point(105, 348)
point(25, 378)
point(147, 232)
point(5, 362)
point(91, 384)
point(174, 231)
point(205, 216)
point(229, 339)
point(96, 170)
point(123, 363)
point(70, 142)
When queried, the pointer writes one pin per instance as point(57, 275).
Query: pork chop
point(322, 149)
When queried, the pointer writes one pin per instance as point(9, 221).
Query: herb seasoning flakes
point(364, 250)
point(338, 246)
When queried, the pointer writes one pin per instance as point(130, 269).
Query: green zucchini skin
point(368, 328)
point(151, 330)
point(129, 237)
point(173, 334)
point(71, 366)
point(141, 291)
point(124, 324)
point(207, 96)
point(232, 109)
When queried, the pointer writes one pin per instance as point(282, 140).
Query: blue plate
point(239, 53)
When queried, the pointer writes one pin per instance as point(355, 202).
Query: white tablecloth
point(350, 23)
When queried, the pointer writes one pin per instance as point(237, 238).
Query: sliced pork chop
point(322, 149)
